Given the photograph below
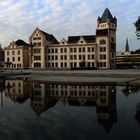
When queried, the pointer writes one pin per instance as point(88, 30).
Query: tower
point(127, 46)
point(106, 41)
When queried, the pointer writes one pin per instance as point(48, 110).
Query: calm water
point(36, 111)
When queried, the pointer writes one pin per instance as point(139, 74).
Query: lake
point(47, 111)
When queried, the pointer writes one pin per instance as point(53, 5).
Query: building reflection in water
point(45, 96)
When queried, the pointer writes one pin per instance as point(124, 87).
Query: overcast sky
point(63, 18)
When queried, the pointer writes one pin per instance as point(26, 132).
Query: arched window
point(103, 41)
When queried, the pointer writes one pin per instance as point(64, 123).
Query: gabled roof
point(107, 15)
point(20, 42)
point(87, 38)
point(50, 37)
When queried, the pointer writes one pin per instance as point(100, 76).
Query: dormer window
point(81, 42)
point(103, 41)
point(63, 42)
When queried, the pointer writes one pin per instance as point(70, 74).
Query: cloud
point(62, 18)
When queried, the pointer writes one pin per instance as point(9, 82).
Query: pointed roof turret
point(127, 46)
point(107, 15)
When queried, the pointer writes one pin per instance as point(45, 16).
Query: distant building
point(126, 59)
point(1, 56)
point(78, 51)
point(17, 55)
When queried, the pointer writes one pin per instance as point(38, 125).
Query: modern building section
point(16, 55)
point(127, 59)
point(92, 51)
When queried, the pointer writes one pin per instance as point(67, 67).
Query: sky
point(63, 18)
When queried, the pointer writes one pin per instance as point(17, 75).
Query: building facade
point(92, 51)
point(16, 55)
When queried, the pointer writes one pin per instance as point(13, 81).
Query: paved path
point(87, 76)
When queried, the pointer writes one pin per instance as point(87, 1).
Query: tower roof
point(107, 15)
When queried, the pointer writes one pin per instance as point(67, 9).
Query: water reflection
point(44, 96)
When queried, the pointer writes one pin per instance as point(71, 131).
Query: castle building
point(92, 51)
point(17, 55)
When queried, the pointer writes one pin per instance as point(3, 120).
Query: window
point(79, 49)
point(102, 56)
point(39, 38)
point(56, 50)
point(79, 57)
point(37, 57)
point(7, 52)
point(92, 56)
point(112, 39)
point(62, 65)
point(102, 64)
point(37, 65)
point(71, 50)
point(65, 50)
point(56, 57)
point(18, 58)
point(89, 57)
point(39, 43)
point(75, 64)
point(65, 64)
point(88, 49)
point(52, 50)
point(74, 49)
point(75, 57)
point(13, 58)
point(49, 51)
point(37, 50)
point(61, 50)
point(102, 42)
point(34, 38)
point(83, 57)
point(61, 57)
point(18, 52)
point(56, 65)
point(49, 57)
point(92, 49)
point(48, 64)
point(34, 44)
point(83, 49)
point(71, 57)
point(8, 59)
point(65, 57)
point(13, 52)
point(102, 49)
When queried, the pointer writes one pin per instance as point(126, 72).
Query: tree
point(137, 27)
